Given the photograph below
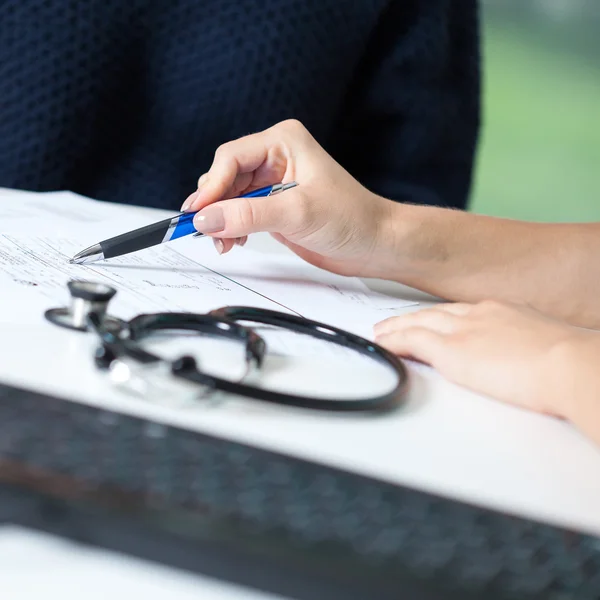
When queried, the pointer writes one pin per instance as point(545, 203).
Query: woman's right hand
point(329, 219)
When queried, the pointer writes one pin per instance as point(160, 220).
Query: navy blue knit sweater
point(127, 100)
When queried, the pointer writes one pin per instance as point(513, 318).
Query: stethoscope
point(134, 368)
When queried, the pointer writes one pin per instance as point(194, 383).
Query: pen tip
point(89, 255)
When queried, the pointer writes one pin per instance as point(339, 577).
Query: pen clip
point(281, 187)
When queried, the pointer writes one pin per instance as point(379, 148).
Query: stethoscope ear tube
point(120, 350)
point(345, 339)
point(144, 325)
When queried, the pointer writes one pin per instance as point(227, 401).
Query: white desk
point(445, 440)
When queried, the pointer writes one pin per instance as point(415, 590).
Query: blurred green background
point(539, 152)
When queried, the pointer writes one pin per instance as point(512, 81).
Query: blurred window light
point(560, 10)
point(540, 138)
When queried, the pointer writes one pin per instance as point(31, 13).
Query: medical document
point(183, 275)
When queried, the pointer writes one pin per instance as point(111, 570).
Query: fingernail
point(202, 179)
point(210, 219)
point(219, 245)
point(381, 327)
point(189, 201)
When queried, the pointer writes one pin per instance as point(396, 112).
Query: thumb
point(238, 217)
point(418, 343)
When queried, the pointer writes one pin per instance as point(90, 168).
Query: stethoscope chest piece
point(86, 297)
point(155, 382)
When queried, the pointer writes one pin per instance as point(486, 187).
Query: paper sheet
point(60, 212)
point(35, 271)
point(184, 275)
point(303, 289)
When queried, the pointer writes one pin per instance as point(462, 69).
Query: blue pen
point(158, 233)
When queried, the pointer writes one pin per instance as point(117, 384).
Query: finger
point(187, 203)
point(266, 155)
point(241, 241)
point(416, 342)
point(237, 158)
point(460, 309)
point(223, 246)
point(241, 184)
point(239, 217)
point(202, 179)
point(439, 321)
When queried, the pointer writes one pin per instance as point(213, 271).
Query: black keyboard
point(265, 520)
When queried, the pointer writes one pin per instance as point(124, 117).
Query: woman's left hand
point(510, 353)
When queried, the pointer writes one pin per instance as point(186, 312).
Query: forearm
point(460, 256)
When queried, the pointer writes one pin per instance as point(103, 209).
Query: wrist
point(393, 223)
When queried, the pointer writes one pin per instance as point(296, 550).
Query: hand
point(512, 354)
point(329, 220)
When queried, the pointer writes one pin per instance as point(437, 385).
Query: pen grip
point(149, 235)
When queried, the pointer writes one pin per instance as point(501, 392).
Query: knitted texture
point(127, 100)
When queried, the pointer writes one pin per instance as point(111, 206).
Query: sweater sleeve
point(409, 126)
